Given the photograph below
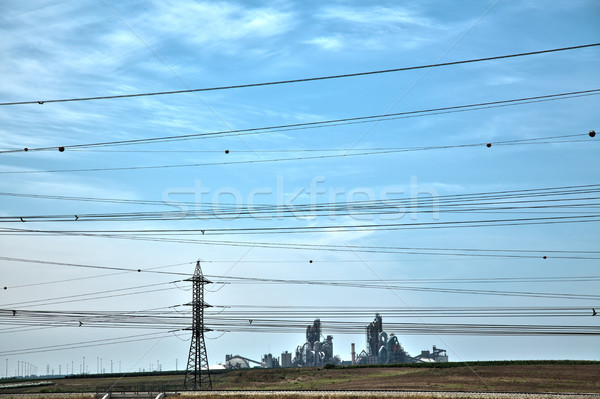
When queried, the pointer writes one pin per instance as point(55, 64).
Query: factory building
point(237, 362)
point(437, 355)
point(386, 349)
point(286, 359)
point(240, 362)
point(269, 362)
point(381, 348)
point(314, 352)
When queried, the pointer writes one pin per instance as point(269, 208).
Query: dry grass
point(46, 396)
point(524, 377)
point(315, 395)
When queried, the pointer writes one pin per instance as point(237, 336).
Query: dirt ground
point(521, 378)
point(534, 378)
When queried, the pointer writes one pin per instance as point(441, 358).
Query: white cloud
point(373, 28)
point(327, 43)
point(216, 24)
point(503, 80)
point(373, 16)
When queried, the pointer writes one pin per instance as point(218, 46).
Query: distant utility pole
point(198, 359)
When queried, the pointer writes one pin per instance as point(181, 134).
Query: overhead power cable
point(326, 123)
point(84, 277)
point(300, 246)
point(20, 319)
point(251, 244)
point(118, 292)
point(550, 140)
point(85, 344)
point(538, 140)
point(47, 262)
point(588, 218)
point(303, 80)
point(559, 194)
point(234, 315)
point(175, 237)
point(253, 161)
point(558, 202)
point(393, 287)
point(299, 326)
point(450, 198)
point(242, 311)
point(339, 319)
point(384, 283)
point(390, 286)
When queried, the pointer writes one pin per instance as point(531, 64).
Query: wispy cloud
point(327, 43)
point(501, 80)
point(372, 28)
point(220, 25)
point(376, 16)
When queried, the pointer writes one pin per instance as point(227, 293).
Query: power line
point(302, 158)
point(81, 278)
point(303, 80)
point(279, 319)
point(84, 344)
point(321, 124)
point(235, 314)
point(360, 284)
point(299, 326)
point(311, 229)
point(450, 198)
point(354, 208)
point(94, 295)
point(46, 262)
point(20, 319)
point(534, 197)
point(311, 247)
point(252, 244)
point(164, 238)
point(325, 150)
point(486, 280)
point(433, 289)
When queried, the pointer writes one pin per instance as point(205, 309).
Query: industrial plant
point(381, 348)
point(314, 352)
point(384, 349)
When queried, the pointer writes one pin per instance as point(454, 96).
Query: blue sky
point(57, 50)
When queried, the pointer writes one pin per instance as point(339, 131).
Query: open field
point(532, 377)
point(316, 395)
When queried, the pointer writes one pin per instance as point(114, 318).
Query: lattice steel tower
point(198, 360)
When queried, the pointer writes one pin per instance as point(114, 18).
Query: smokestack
point(353, 354)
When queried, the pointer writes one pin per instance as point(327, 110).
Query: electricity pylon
point(198, 359)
